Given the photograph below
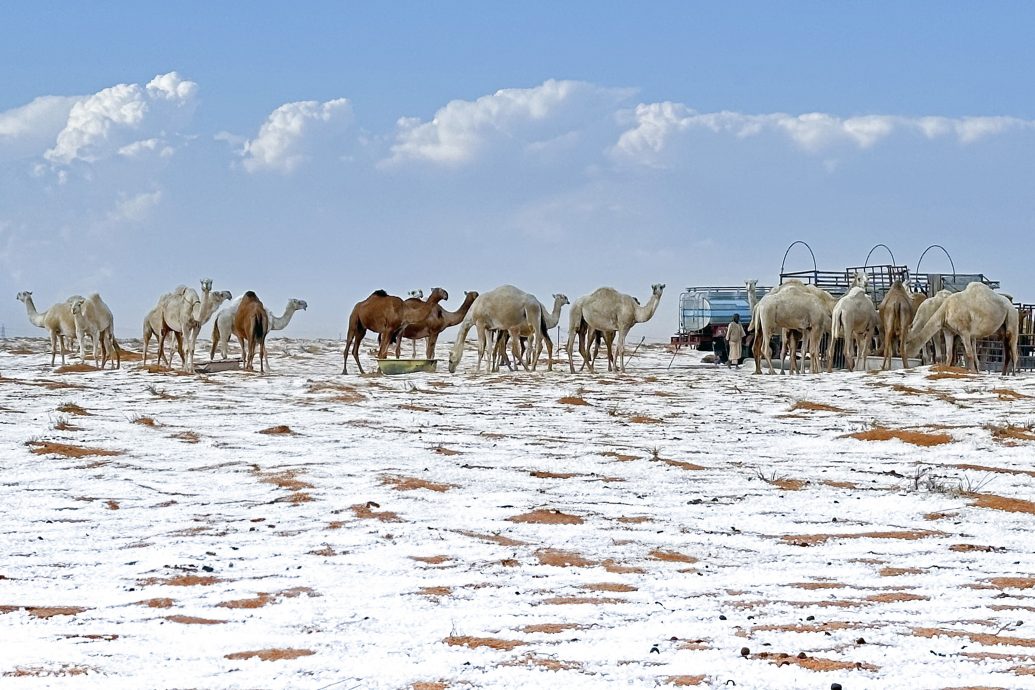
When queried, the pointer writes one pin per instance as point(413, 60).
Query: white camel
point(550, 320)
point(854, 318)
point(945, 346)
point(183, 313)
point(57, 320)
point(223, 324)
point(609, 311)
point(93, 317)
point(504, 309)
point(792, 307)
point(975, 312)
point(896, 317)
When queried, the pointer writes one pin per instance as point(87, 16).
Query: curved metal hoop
point(783, 263)
point(867, 262)
point(944, 250)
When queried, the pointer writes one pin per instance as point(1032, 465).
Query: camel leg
point(569, 348)
point(359, 335)
point(262, 355)
point(430, 348)
point(515, 349)
point(584, 351)
point(161, 343)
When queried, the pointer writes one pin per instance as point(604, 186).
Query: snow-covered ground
point(673, 526)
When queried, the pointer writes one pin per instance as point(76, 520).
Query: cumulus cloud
point(29, 129)
point(653, 126)
point(133, 209)
point(112, 120)
point(529, 118)
point(292, 132)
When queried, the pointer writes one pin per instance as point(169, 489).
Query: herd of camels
point(904, 321)
point(508, 316)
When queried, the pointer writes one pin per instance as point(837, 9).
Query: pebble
point(744, 651)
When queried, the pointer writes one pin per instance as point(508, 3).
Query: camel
point(606, 310)
point(153, 326)
point(794, 308)
point(436, 322)
point(975, 312)
point(577, 326)
point(854, 318)
point(416, 310)
point(505, 308)
point(417, 295)
point(184, 313)
point(386, 315)
point(251, 324)
point(896, 317)
point(944, 347)
point(223, 324)
point(550, 320)
point(93, 317)
point(57, 320)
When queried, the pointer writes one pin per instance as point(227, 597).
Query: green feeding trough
point(390, 367)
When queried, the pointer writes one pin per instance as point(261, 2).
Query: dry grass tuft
point(412, 484)
point(186, 436)
point(575, 601)
point(547, 517)
point(365, 511)
point(572, 400)
point(44, 672)
point(616, 568)
point(446, 451)
point(643, 419)
point(563, 559)
point(276, 654)
point(815, 539)
point(1008, 433)
point(550, 628)
point(62, 424)
point(258, 601)
point(475, 642)
point(539, 474)
point(683, 681)
point(639, 519)
point(193, 620)
point(896, 572)
point(72, 408)
point(435, 592)
point(987, 639)
point(785, 484)
point(609, 587)
point(814, 406)
point(813, 663)
point(75, 369)
point(621, 457)
point(279, 430)
point(285, 479)
point(68, 451)
point(971, 548)
point(432, 560)
point(181, 581)
point(111, 504)
point(917, 438)
point(342, 391)
point(493, 538)
point(672, 556)
point(994, 502)
point(429, 685)
point(1009, 394)
point(146, 421)
point(892, 597)
point(157, 603)
point(685, 465)
point(1012, 582)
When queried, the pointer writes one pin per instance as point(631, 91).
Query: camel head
point(751, 285)
point(206, 285)
point(23, 296)
point(470, 296)
point(560, 299)
point(453, 361)
point(657, 288)
point(418, 293)
point(297, 304)
point(439, 293)
point(860, 280)
point(77, 305)
point(221, 296)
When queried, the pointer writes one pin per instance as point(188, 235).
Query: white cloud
point(461, 130)
point(117, 117)
point(291, 133)
point(134, 209)
point(141, 148)
point(29, 129)
point(654, 125)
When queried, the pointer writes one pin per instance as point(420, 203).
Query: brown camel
point(251, 324)
point(437, 321)
point(386, 315)
point(896, 316)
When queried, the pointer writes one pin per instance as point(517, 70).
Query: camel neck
point(279, 323)
point(36, 318)
point(646, 312)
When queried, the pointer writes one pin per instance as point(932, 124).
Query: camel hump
point(250, 295)
point(379, 293)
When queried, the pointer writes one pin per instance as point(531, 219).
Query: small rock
point(835, 686)
point(802, 655)
point(654, 650)
point(208, 568)
point(722, 617)
point(860, 641)
point(810, 618)
point(744, 651)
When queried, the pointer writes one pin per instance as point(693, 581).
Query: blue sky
point(324, 150)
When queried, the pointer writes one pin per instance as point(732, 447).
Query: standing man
point(734, 341)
